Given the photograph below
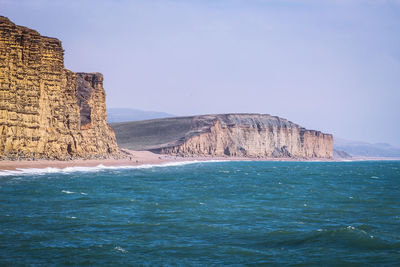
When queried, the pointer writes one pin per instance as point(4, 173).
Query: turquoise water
point(212, 214)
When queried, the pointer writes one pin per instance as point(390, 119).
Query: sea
point(218, 213)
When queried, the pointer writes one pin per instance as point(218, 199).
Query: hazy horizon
point(333, 66)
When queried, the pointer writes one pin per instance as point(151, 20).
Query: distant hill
point(356, 148)
point(130, 114)
point(343, 148)
point(236, 135)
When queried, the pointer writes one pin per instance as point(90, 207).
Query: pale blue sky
point(327, 65)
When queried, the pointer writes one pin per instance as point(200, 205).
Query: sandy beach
point(137, 158)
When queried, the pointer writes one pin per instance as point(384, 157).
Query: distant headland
point(232, 135)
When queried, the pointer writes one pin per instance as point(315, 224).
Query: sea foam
point(101, 167)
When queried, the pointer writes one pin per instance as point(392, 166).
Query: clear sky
point(327, 65)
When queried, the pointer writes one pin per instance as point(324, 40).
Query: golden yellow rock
point(47, 111)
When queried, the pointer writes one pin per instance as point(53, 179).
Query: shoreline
point(140, 158)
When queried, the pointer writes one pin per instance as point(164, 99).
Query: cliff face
point(249, 135)
point(255, 136)
point(47, 111)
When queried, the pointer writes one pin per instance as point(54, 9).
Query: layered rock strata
point(47, 111)
point(237, 135)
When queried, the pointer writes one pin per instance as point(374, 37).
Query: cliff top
point(26, 30)
point(5, 20)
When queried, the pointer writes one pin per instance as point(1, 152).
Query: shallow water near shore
point(204, 213)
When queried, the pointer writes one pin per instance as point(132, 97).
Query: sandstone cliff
point(249, 135)
point(47, 111)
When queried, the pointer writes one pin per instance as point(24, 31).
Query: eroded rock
point(47, 111)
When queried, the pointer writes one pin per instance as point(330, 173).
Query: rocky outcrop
point(244, 135)
point(47, 111)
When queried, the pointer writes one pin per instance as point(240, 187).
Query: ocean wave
point(67, 192)
point(118, 248)
point(342, 236)
point(100, 167)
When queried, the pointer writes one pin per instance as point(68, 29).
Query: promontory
point(233, 135)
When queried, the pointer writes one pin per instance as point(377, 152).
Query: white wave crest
point(120, 249)
point(101, 167)
point(67, 192)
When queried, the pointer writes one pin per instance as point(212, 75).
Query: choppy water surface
point(219, 213)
